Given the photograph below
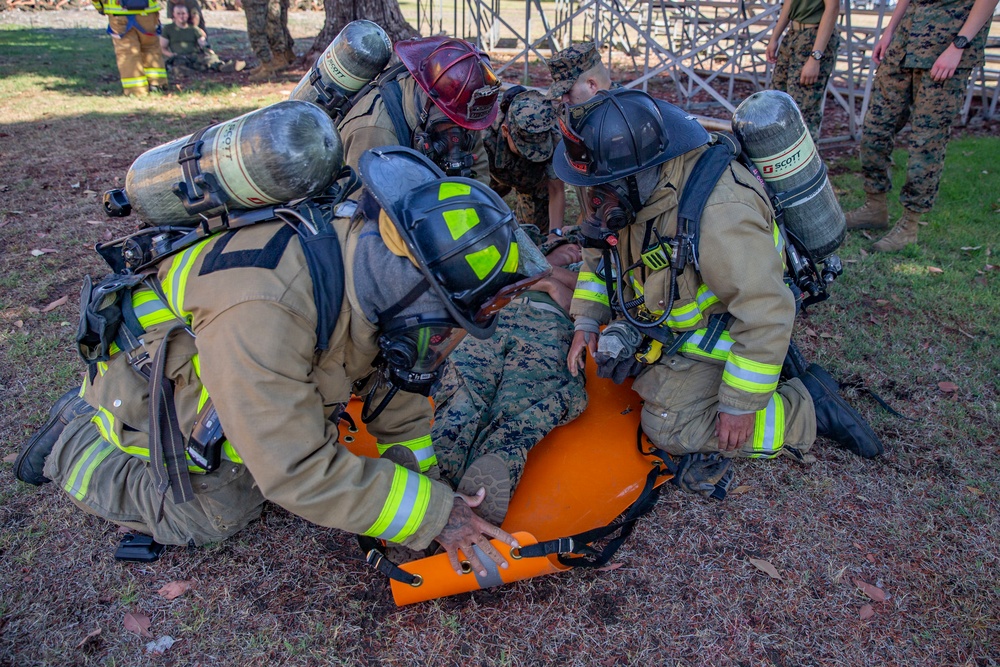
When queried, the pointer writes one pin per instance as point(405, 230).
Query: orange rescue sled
point(580, 477)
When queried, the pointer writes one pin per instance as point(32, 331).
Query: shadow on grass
point(81, 61)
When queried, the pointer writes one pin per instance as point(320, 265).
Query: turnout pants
point(682, 400)
point(105, 481)
point(140, 60)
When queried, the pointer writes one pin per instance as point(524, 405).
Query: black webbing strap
point(584, 555)
point(697, 189)
point(167, 449)
point(199, 191)
point(798, 194)
point(375, 556)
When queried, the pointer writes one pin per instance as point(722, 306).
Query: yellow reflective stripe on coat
point(228, 451)
point(114, 7)
point(590, 287)
point(422, 448)
point(149, 308)
point(750, 376)
point(720, 352)
point(79, 478)
point(175, 281)
point(769, 429)
point(404, 509)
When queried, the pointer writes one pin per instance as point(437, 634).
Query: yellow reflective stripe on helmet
point(751, 376)
point(149, 308)
point(720, 352)
point(422, 448)
point(79, 478)
point(769, 429)
point(590, 287)
point(175, 282)
point(449, 190)
point(483, 261)
point(460, 221)
point(513, 259)
point(404, 509)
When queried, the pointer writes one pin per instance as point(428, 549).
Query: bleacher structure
point(704, 48)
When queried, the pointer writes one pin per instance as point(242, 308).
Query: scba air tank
point(773, 134)
point(282, 152)
point(355, 56)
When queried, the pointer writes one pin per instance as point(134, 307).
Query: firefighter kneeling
point(716, 301)
point(425, 259)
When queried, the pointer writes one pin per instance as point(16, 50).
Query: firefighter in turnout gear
point(134, 26)
point(437, 101)
point(235, 320)
point(723, 317)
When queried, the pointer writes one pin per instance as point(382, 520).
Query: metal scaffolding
point(703, 48)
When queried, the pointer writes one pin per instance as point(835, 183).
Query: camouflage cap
point(530, 121)
point(567, 66)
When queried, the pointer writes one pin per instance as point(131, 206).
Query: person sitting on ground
point(194, 10)
point(185, 44)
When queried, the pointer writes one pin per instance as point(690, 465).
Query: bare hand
point(810, 72)
point(946, 64)
point(576, 359)
point(568, 253)
point(881, 47)
point(465, 530)
point(733, 430)
point(772, 51)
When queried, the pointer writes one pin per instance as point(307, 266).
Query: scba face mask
point(411, 352)
point(609, 208)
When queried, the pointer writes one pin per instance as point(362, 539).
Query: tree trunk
point(341, 12)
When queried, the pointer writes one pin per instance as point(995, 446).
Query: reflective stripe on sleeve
point(750, 376)
point(405, 507)
point(590, 287)
point(92, 456)
point(769, 429)
point(422, 448)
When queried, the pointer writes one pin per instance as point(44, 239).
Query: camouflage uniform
point(183, 42)
point(793, 53)
point(267, 29)
point(905, 92)
point(530, 120)
point(504, 394)
point(566, 67)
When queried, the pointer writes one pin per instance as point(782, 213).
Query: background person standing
point(134, 26)
point(267, 30)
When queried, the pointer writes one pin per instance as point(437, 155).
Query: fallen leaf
point(866, 612)
point(94, 222)
point(989, 267)
point(609, 567)
point(867, 235)
point(92, 636)
point(137, 623)
point(810, 332)
point(971, 247)
point(874, 592)
point(32, 309)
point(743, 488)
point(863, 253)
point(175, 589)
point(858, 546)
point(971, 489)
point(765, 567)
point(19, 323)
point(934, 269)
point(948, 387)
point(55, 304)
point(10, 458)
point(160, 646)
point(38, 252)
point(870, 558)
point(75, 185)
point(881, 302)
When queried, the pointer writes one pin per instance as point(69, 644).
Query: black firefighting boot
point(30, 461)
point(837, 420)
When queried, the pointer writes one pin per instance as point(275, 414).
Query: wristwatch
point(557, 231)
point(818, 55)
point(960, 42)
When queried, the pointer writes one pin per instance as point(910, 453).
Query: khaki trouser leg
point(682, 400)
point(105, 481)
point(152, 54)
point(128, 54)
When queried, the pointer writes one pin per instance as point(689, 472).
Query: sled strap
point(375, 556)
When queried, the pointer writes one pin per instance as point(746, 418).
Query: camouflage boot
point(266, 71)
point(873, 215)
point(901, 235)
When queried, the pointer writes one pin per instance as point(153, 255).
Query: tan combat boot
point(873, 215)
point(903, 233)
point(265, 72)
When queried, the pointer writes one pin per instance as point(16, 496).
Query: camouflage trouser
point(792, 55)
point(900, 95)
point(681, 401)
point(532, 208)
point(201, 61)
point(105, 481)
point(138, 53)
point(504, 394)
point(267, 28)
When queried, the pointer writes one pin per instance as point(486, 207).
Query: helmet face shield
point(420, 345)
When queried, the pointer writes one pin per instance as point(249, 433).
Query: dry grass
point(922, 523)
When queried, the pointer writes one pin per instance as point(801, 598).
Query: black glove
point(707, 475)
point(616, 350)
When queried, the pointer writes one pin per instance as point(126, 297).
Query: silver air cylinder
point(282, 152)
point(773, 134)
point(355, 56)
